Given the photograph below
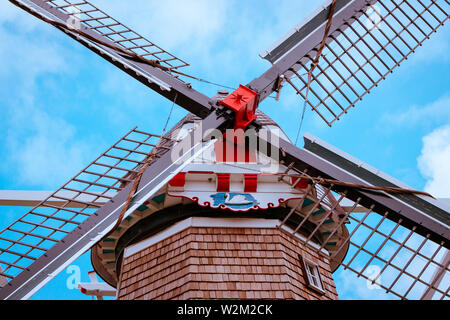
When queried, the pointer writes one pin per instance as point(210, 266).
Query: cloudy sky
point(62, 105)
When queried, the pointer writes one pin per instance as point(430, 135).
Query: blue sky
point(62, 105)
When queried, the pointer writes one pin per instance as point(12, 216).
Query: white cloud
point(29, 58)
point(435, 48)
point(170, 23)
point(30, 48)
point(9, 13)
point(434, 112)
point(47, 152)
point(434, 162)
point(39, 148)
point(222, 37)
point(350, 287)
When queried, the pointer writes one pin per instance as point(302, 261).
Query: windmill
point(201, 186)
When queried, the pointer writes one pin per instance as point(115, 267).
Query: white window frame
point(312, 275)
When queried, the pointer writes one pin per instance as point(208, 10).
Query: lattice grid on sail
point(32, 235)
point(380, 248)
point(364, 51)
point(98, 21)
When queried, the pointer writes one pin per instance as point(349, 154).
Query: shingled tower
point(214, 232)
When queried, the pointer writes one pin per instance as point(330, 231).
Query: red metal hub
point(243, 102)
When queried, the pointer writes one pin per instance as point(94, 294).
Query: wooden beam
point(22, 198)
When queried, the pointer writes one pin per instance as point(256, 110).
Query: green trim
point(142, 208)
point(307, 202)
point(320, 211)
point(159, 199)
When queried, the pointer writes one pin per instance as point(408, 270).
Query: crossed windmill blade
point(358, 216)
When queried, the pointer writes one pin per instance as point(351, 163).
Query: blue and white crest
point(234, 201)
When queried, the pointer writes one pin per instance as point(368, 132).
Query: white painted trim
point(160, 236)
point(210, 223)
point(98, 289)
point(234, 222)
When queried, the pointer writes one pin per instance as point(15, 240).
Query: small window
point(312, 275)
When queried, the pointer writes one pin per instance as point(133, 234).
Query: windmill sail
point(367, 40)
point(85, 14)
point(37, 246)
point(129, 51)
point(35, 233)
point(401, 248)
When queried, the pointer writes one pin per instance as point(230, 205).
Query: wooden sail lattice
point(378, 246)
point(363, 51)
point(33, 234)
point(86, 14)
